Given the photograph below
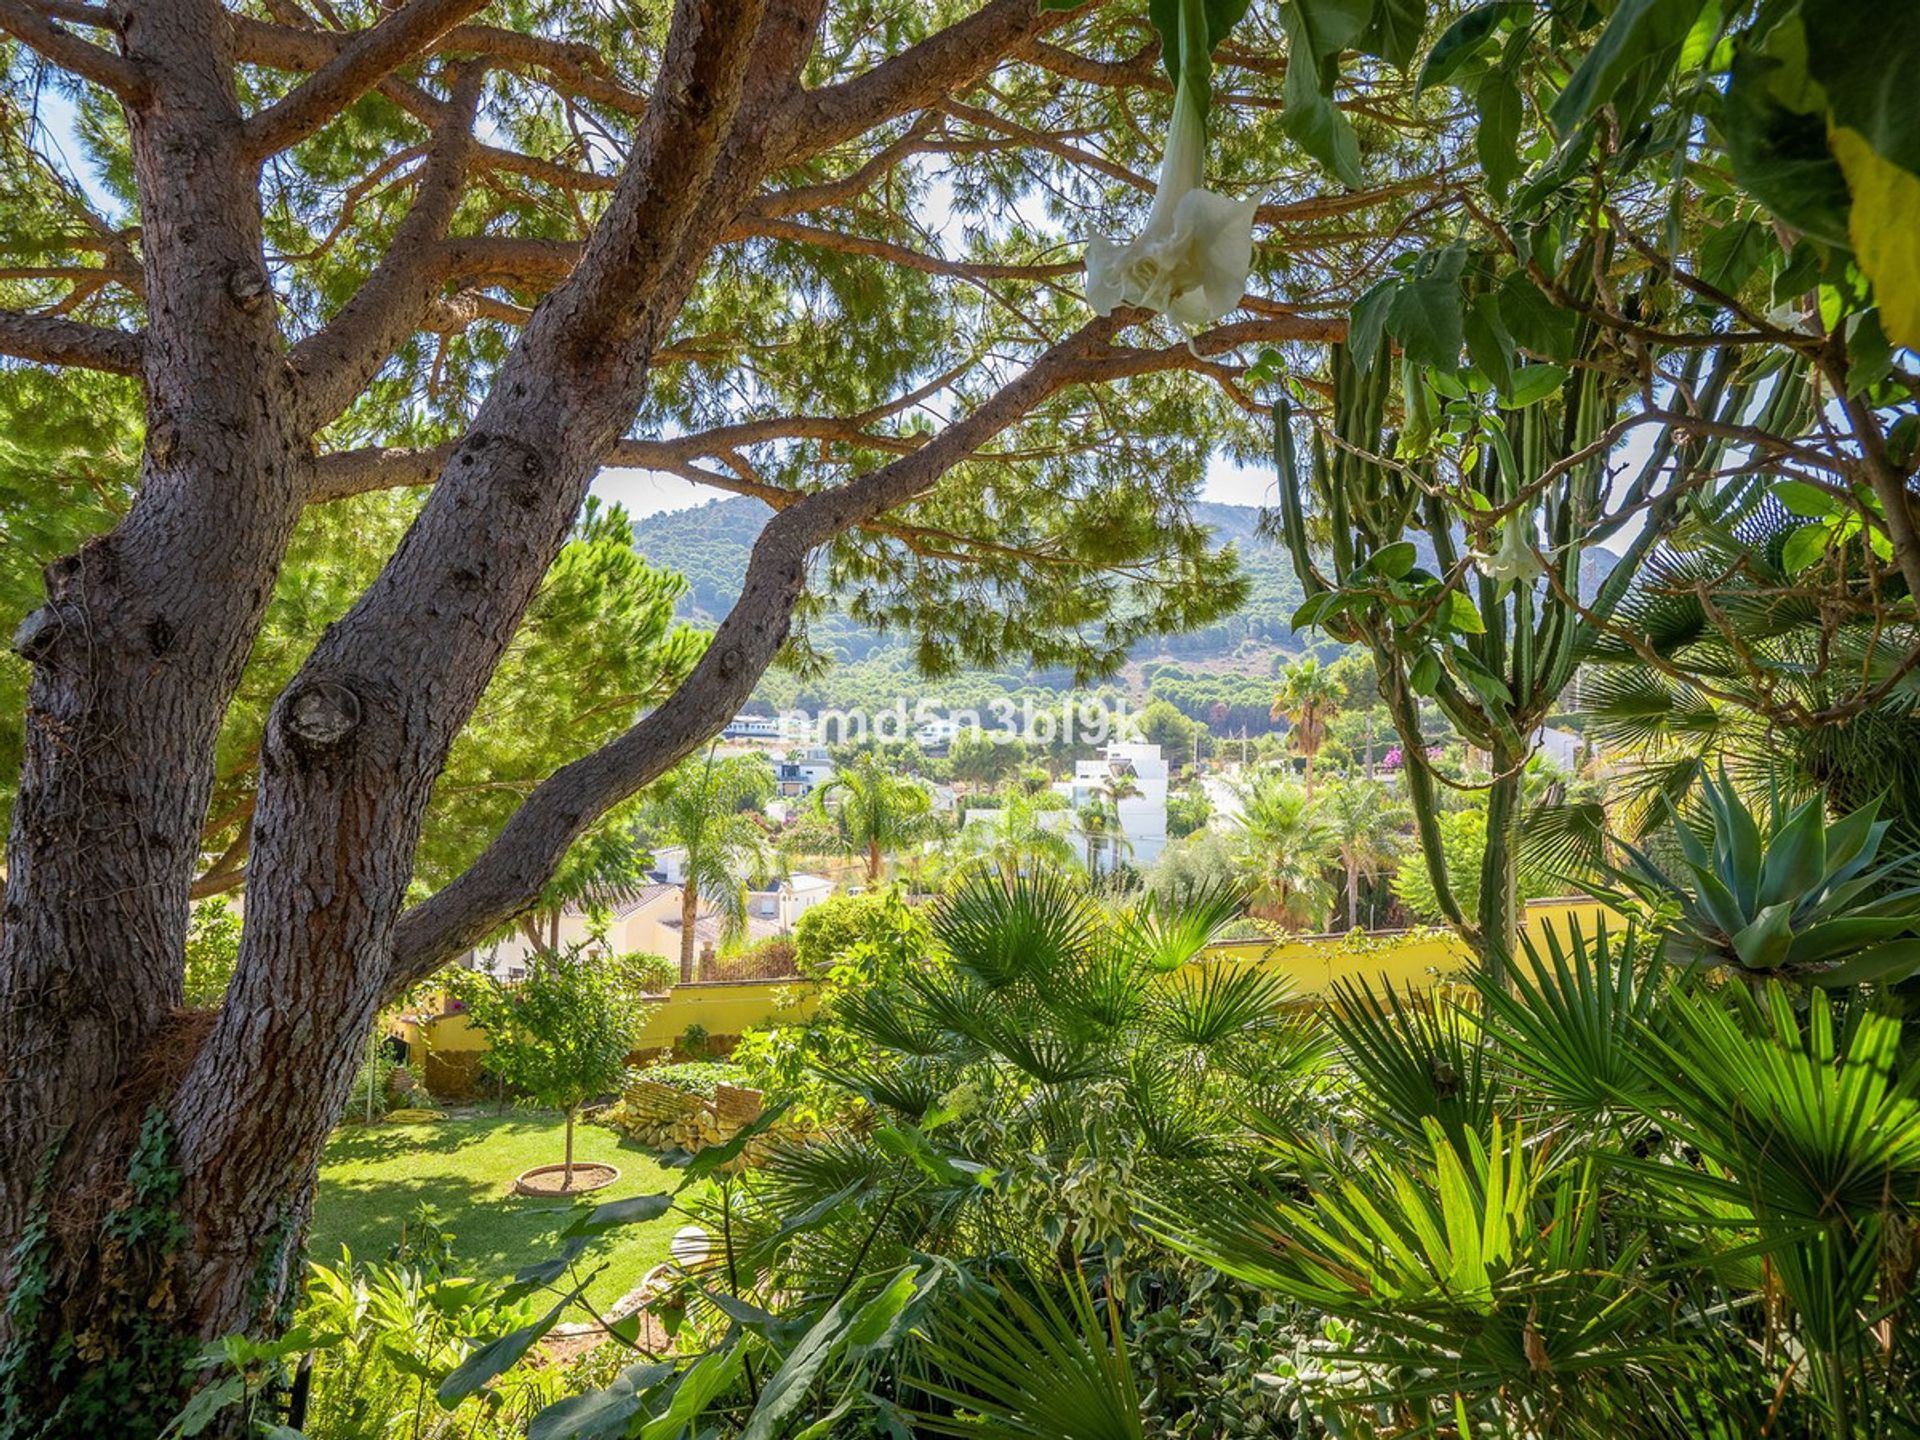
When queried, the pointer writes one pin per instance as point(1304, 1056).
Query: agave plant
point(1799, 897)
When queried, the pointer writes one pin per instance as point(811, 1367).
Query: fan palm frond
point(1019, 1363)
point(1001, 929)
point(1418, 1060)
point(1207, 1005)
point(1166, 931)
point(1575, 1028)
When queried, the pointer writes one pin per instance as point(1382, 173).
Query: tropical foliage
point(1786, 892)
point(1284, 844)
point(709, 808)
point(874, 812)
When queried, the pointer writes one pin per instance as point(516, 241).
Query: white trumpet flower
point(1190, 263)
point(1514, 558)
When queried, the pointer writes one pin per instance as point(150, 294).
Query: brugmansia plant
point(1190, 263)
point(1796, 897)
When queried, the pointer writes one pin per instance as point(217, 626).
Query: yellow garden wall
point(449, 1046)
point(1313, 963)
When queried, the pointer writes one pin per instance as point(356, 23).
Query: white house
point(752, 727)
point(936, 733)
point(802, 772)
point(1143, 816)
point(784, 904)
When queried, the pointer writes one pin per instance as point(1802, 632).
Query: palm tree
point(1365, 821)
point(1099, 819)
point(1099, 824)
point(708, 808)
point(878, 811)
point(1309, 695)
point(1285, 843)
point(1020, 840)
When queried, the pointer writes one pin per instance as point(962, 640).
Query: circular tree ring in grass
point(588, 1175)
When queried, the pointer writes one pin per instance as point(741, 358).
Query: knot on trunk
point(519, 466)
point(323, 713)
point(36, 634)
point(247, 286)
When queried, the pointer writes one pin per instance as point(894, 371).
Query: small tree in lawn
point(560, 1036)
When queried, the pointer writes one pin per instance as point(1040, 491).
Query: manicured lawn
point(374, 1177)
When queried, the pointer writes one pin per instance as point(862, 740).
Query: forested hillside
point(708, 544)
point(1221, 674)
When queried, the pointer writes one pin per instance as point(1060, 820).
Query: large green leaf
point(843, 1323)
point(1218, 17)
point(1462, 40)
point(1496, 140)
point(601, 1414)
point(1426, 315)
point(1395, 31)
point(634, 1210)
point(1882, 964)
point(1866, 56)
point(500, 1354)
point(1778, 149)
point(1309, 115)
point(1640, 44)
point(699, 1386)
point(1763, 943)
point(1537, 325)
point(1365, 325)
point(1796, 860)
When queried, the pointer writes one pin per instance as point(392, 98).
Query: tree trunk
point(135, 656)
point(1353, 895)
point(1499, 870)
point(566, 1174)
point(689, 916)
point(158, 1166)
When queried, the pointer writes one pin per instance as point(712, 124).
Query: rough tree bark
point(157, 1165)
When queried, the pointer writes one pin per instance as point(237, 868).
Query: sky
point(651, 492)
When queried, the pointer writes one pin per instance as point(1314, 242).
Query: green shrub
point(695, 1077)
point(646, 974)
point(824, 935)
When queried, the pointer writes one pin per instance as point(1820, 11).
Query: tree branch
point(335, 363)
point(53, 340)
point(919, 77)
point(355, 68)
point(67, 50)
point(509, 873)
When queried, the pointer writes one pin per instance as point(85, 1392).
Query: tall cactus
point(1494, 637)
